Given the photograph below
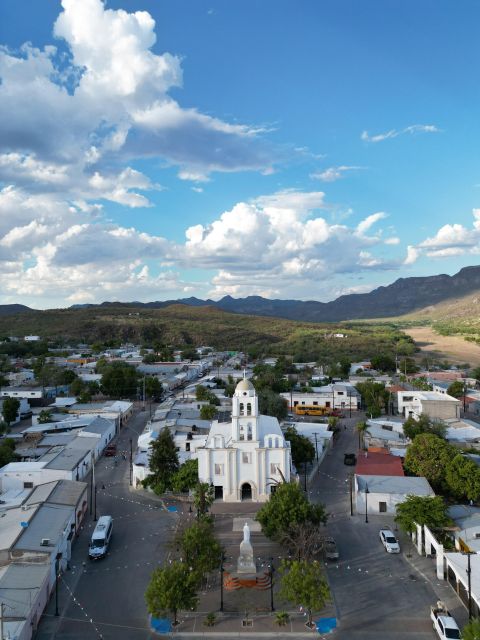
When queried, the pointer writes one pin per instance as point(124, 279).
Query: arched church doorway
point(246, 491)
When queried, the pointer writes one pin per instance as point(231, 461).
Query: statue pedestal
point(246, 563)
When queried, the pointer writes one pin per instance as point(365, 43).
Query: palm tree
point(362, 430)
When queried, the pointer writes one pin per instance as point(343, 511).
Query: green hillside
point(181, 325)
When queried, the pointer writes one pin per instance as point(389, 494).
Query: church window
point(241, 407)
point(249, 432)
point(273, 468)
point(246, 458)
point(219, 469)
point(249, 409)
point(269, 443)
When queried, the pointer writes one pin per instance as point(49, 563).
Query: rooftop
point(395, 484)
point(378, 464)
point(49, 522)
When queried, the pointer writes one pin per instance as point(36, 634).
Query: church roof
point(244, 385)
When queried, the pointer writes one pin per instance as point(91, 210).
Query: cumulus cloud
point(279, 243)
point(394, 133)
point(62, 123)
point(332, 174)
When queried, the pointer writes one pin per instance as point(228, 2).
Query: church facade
point(246, 458)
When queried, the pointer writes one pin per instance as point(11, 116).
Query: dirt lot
point(455, 350)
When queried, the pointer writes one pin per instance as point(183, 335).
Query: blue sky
point(152, 150)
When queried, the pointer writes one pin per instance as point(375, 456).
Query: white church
point(245, 459)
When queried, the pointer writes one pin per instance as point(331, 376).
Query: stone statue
point(246, 563)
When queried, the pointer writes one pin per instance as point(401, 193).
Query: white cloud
point(333, 173)
point(392, 241)
point(277, 243)
point(63, 119)
point(412, 255)
point(369, 221)
point(394, 133)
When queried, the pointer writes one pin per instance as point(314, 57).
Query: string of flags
point(82, 609)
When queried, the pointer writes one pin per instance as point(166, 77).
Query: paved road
point(106, 597)
point(377, 595)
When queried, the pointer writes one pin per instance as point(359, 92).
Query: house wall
point(373, 500)
point(259, 473)
point(16, 479)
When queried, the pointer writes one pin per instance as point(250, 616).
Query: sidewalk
point(426, 571)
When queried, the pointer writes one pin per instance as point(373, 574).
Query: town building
point(432, 403)
point(246, 458)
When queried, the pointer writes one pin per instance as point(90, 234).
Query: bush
point(210, 619)
point(282, 618)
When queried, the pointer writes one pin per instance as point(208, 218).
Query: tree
point(171, 589)
point(304, 540)
point(428, 456)
point(303, 583)
point(428, 510)
point(199, 548)
point(456, 389)
point(424, 424)
point(203, 497)
point(149, 358)
point(271, 404)
point(287, 507)
point(383, 362)
point(77, 387)
point(362, 429)
point(10, 409)
point(186, 477)
point(345, 365)
point(208, 412)
point(373, 394)
point(201, 392)
point(153, 387)
point(302, 449)
point(471, 631)
point(463, 478)
point(163, 461)
point(119, 379)
point(7, 451)
point(44, 416)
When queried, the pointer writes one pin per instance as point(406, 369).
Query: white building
point(339, 395)
point(434, 404)
point(245, 458)
point(381, 494)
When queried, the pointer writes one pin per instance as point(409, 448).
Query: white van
point(100, 538)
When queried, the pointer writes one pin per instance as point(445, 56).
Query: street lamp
point(272, 608)
point(222, 569)
point(95, 504)
point(58, 557)
point(366, 502)
point(469, 579)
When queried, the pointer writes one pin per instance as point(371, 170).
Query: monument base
point(234, 581)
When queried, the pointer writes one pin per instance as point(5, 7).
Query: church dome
point(244, 385)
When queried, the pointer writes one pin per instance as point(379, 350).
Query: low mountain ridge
point(404, 296)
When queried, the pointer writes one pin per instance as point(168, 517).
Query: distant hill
point(405, 295)
point(12, 309)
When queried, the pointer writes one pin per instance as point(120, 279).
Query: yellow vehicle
point(310, 410)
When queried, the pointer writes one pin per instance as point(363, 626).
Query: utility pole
point(1, 620)
point(351, 494)
point(131, 462)
point(143, 404)
point(92, 484)
point(316, 446)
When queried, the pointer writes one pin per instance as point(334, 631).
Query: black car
point(350, 458)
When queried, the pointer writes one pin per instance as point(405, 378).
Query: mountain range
point(405, 295)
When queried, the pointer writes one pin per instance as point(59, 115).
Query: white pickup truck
point(443, 623)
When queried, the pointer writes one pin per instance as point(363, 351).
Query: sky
point(301, 149)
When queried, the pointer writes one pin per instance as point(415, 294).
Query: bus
point(310, 410)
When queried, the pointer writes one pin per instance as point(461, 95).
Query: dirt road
point(455, 350)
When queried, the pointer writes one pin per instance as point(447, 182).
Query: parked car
point(110, 450)
point(330, 549)
point(350, 458)
point(443, 623)
point(389, 541)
